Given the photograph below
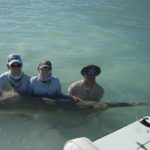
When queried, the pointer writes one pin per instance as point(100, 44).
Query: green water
point(71, 33)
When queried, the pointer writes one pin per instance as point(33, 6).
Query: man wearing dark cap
point(87, 89)
point(14, 77)
point(48, 86)
point(44, 84)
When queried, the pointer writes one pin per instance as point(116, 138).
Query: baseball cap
point(45, 63)
point(14, 58)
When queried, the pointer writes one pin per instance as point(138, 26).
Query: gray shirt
point(20, 85)
point(93, 93)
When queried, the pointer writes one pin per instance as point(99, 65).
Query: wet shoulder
point(35, 78)
point(76, 84)
point(26, 76)
point(98, 87)
point(54, 79)
point(5, 74)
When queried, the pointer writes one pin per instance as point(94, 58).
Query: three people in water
point(83, 93)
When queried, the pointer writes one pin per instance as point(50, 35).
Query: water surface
point(71, 33)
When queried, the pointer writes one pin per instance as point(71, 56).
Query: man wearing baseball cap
point(14, 77)
point(88, 89)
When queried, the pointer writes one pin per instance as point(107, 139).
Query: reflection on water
point(38, 129)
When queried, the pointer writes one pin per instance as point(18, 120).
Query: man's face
point(15, 68)
point(90, 78)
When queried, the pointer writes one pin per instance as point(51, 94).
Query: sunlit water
point(71, 33)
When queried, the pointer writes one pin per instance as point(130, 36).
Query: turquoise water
point(71, 33)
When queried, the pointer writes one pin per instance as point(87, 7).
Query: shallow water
point(113, 34)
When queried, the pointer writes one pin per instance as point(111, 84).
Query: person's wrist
point(75, 99)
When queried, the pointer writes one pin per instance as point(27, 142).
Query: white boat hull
point(135, 136)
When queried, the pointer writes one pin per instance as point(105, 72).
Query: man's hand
point(100, 106)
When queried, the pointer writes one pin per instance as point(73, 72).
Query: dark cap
point(90, 70)
point(45, 63)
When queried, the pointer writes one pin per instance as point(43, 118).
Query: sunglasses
point(45, 69)
point(16, 66)
point(90, 73)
